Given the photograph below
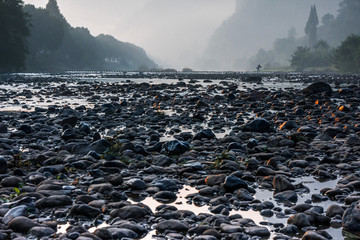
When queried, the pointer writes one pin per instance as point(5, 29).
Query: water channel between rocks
point(223, 118)
point(181, 203)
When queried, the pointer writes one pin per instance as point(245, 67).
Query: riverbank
point(107, 157)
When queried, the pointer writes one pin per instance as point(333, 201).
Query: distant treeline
point(338, 48)
point(49, 44)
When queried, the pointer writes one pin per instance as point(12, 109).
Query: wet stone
point(84, 210)
point(213, 180)
point(334, 210)
point(232, 183)
point(172, 225)
point(310, 235)
point(257, 125)
point(227, 228)
point(11, 181)
point(15, 212)
point(41, 231)
point(3, 165)
point(258, 231)
point(177, 147)
point(120, 233)
point(136, 184)
point(288, 195)
point(282, 184)
point(130, 212)
point(21, 224)
point(165, 196)
point(299, 220)
point(54, 201)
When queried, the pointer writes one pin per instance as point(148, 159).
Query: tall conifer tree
point(311, 26)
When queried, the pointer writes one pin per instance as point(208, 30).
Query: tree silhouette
point(348, 55)
point(13, 32)
point(54, 11)
point(311, 26)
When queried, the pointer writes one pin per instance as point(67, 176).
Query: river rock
point(351, 218)
point(213, 180)
point(3, 128)
point(288, 195)
point(227, 228)
point(54, 201)
point(15, 212)
point(165, 196)
point(258, 125)
point(122, 233)
point(232, 183)
point(136, 184)
point(11, 181)
point(205, 133)
point(21, 224)
point(334, 210)
point(258, 231)
point(265, 171)
point(300, 220)
point(40, 232)
point(177, 147)
point(244, 195)
point(318, 87)
point(172, 225)
point(3, 165)
point(72, 121)
point(84, 210)
point(281, 184)
point(130, 225)
point(311, 235)
point(205, 237)
point(165, 184)
point(103, 233)
point(130, 212)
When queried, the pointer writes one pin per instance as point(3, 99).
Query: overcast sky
point(174, 33)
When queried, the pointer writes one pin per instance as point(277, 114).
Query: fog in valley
point(200, 34)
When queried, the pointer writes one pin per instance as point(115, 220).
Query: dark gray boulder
point(165, 196)
point(84, 210)
point(40, 232)
point(318, 87)
point(351, 218)
point(177, 147)
point(3, 165)
point(21, 224)
point(173, 225)
point(54, 201)
point(205, 133)
point(285, 196)
point(258, 125)
point(281, 184)
point(232, 183)
point(130, 212)
point(300, 220)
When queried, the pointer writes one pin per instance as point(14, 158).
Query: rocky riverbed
point(241, 158)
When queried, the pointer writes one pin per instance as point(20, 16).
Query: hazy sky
point(174, 33)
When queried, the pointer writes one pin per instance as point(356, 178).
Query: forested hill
point(54, 45)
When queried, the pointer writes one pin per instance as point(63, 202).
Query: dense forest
point(332, 46)
point(257, 24)
point(50, 44)
point(14, 29)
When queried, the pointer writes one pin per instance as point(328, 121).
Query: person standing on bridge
point(258, 67)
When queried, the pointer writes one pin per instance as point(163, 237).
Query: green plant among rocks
point(218, 161)
point(114, 150)
point(17, 192)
